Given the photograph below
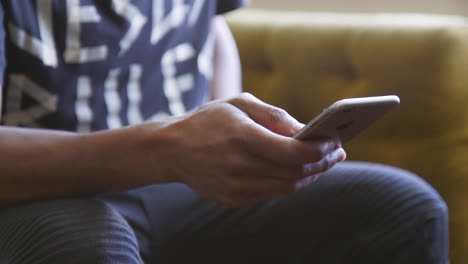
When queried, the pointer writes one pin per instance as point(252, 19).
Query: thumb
point(273, 118)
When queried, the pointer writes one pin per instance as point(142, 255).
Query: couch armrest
point(305, 61)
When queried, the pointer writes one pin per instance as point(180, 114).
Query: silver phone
point(345, 119)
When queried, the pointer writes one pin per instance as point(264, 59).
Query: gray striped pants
point(355, 213)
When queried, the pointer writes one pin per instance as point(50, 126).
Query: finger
point(273, 118)
point(272, 183)
point(264, 143)
point(285, 150)
point(314, 171)
point(303, 183)
point(326, 163)
point(266, 169)
point(249, 188)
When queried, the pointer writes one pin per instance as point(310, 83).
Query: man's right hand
point(239, 151)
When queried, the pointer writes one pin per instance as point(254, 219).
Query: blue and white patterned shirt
point(87, 65)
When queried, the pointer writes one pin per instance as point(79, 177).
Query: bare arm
point(38, 164)
point(41, 164)
point(223, 151)
point(227, 81)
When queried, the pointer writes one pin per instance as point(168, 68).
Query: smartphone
point(345, 119)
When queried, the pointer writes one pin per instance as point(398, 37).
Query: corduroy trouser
point(355, 213)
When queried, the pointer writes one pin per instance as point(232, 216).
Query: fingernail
point(339, 155)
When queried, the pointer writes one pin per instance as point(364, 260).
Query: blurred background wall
point(458, 7)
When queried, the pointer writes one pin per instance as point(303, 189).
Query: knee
point(402, 214)
point(390, 195)
point(429, 221)
point(422, 217)
point(429, 214)
point(418, 196)
point(411, 194)
point(68, 231)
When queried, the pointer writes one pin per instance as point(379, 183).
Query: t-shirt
point(87, 65)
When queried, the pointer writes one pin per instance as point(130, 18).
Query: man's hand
point(237, 152)
point(240, 151)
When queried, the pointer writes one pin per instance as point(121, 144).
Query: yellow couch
point(304, 61)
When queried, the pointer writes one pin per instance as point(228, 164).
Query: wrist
point(129, 157)
point(148, 148)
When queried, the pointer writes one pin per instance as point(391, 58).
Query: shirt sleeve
point(2, 46)
point(225, 6)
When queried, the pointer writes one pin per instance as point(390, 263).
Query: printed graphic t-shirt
point(87, 65)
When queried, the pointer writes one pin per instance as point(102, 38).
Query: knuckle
point(246, 96)
point(315, 168)
point(325, 164)
point(242, 98)
point(277, 114)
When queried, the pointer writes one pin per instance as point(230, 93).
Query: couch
point(303, 61)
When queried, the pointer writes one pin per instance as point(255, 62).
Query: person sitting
point(126, 139)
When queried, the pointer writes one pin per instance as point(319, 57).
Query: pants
point(355, 213)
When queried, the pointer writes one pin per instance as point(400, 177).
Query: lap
point(355, 209)
point(351, 208)
point(65, 231)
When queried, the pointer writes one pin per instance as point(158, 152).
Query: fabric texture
point(105, 64)
point(355, 213)
point(303, 62)
point(66, 232)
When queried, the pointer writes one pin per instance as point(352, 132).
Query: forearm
point(38, 164)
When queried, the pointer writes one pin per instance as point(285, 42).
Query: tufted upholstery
point(304, 61)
